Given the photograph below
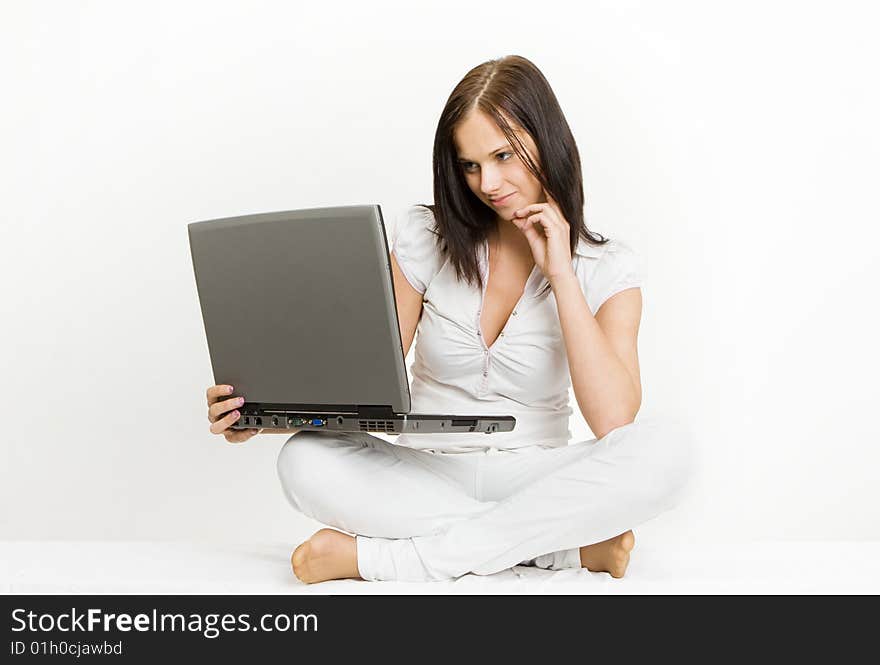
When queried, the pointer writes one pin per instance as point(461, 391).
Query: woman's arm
point(409, 305)
point(602, 353)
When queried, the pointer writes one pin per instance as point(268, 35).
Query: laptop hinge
point(375, 412)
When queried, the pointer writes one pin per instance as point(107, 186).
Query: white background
point(733, 145)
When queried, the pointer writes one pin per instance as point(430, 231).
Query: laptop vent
point(377, 425)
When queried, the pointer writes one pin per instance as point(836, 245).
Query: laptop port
point(295, 422)
point(317, 422)
point(274, 421)
point(258, 421)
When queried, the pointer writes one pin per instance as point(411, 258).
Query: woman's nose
point(490, 180)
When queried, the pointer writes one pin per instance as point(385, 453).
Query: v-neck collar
point(526, 294)
point(534, 282)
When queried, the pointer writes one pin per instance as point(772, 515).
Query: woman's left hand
point(547, 231)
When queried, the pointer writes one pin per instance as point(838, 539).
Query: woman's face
point(492, 169)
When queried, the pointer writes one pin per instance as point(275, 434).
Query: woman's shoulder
point(606, 269)
point(415, 220)
point(606, 256)
point(614, 247)
point(414, 243)
point(422, 211)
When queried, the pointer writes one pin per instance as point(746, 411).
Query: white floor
point(203, 568)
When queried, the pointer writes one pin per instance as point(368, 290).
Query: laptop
point(300, 316)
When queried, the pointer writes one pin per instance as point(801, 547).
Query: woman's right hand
point(223, 413)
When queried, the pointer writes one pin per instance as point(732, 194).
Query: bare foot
point(609, 556)
point(327, 555)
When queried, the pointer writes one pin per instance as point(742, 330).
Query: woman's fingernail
point(229, 389)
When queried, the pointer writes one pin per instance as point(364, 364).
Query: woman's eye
point(470, 167)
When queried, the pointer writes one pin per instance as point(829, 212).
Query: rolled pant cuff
point(560, 560)
point(381, 559)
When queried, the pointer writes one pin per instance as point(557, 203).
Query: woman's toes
point(620, 554)
point(327, 555)
point(609, 556)
point(617, 568)
point(298, 560)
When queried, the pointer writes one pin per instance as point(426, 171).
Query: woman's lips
point(501, 201)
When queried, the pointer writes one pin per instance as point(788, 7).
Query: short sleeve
point(617, 269)
point(415, 247)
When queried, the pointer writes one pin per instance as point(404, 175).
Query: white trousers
point(420, 515)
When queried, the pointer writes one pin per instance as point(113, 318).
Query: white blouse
point(524, 373)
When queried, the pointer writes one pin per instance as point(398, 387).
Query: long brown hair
point(509, 90)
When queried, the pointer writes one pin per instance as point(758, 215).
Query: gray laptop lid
point(299, 307)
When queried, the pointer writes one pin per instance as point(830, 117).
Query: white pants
point(420, 515)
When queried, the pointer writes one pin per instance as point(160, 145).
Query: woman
point(515, 301)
